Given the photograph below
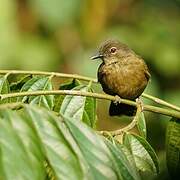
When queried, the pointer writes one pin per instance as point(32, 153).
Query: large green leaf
point(93, 150)
point(141, 124)
point(89, 114)
point(59, 154)
point(79, 107)
point(73, 106)
point(61, 147)
point(21, 155)
point(173, 147)
point(103, 158)
point(59, 98)
point(144, 155)
point(130, 158)
point(73, 151)
point(4, 88)
point(125, 169)
point(36, 84)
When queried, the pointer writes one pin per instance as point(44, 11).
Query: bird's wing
point(147, 73)
point(100, 73)
point(146, 70)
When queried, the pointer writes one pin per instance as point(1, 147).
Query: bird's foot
point(140, 103)
point(117, 100)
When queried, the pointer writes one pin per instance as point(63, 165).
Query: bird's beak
point(97, 56)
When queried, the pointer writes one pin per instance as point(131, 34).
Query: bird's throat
point(108, 62)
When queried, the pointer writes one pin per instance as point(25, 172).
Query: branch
point(150, 108)
point(84, 78)
point(161, 102)
point(55, 74)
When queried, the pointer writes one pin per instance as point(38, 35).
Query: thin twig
point(161, 102)
point(55, 74)
point(150, 108)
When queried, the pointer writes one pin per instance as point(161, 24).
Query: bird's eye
point(113, 50)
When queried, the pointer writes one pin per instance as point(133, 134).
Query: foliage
point(173, 147)
point(58, 35)
point(54, 136)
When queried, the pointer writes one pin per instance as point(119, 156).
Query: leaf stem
point(150, 108)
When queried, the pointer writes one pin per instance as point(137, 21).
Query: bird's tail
point(121, 109)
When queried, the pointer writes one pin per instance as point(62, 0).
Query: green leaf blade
point(141, 124)
point(93, 150)
point(59, 98)
point(173, 147)
point(20, 151)
point(144, 155)
point(73, 106)
point(98, 151)
point(125, 169)
point(80, 108)
point(61, 158)
point(4, 88)
point(89, 115)
point(39, 84)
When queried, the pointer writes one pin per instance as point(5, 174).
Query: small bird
point(122, 73)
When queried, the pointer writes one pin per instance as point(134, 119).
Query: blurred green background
point(61, 35)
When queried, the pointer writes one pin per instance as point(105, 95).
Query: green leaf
point(103, 158)
point(80, 108)
point(36, 84)
point(141, 124)
point(173, 147)
point(21, 155)
point(17, 81)
point(47, 146)
point(4, 88)
point(59, 98)
point(50, 173)
point(130, 158)
point(73, 150)
point(144, 155)
point(60, 156)
point(73, 106)
point(126, 169)
point(89, 114)
point(93, 150)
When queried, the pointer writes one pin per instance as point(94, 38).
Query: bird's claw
point(117, 100)
point(140, 103)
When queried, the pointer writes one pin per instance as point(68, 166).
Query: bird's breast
point(127, 81)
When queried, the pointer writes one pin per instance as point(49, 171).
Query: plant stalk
point(150, 108)
point(84, 78)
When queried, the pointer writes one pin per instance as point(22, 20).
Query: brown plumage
point(121, 73)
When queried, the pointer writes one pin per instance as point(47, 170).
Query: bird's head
point(112, 51)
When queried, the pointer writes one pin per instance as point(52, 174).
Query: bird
point(122, 73)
